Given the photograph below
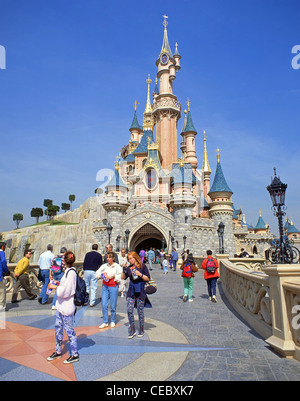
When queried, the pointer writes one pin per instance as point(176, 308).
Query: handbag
point(150, 287)
point(6, 273)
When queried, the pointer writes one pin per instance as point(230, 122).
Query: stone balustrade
point(268, 299)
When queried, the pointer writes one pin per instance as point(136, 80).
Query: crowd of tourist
point(58, 274)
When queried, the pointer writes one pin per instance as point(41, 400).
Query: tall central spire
point(165, 46)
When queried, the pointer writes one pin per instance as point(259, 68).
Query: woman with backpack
point(211, 275)
point(65, 309)
point(188, 268)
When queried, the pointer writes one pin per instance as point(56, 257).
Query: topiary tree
point(17, 217)
point(36, 212)
point(47, 203)
point(71, 199)
point(65, 206)
point(52, 211)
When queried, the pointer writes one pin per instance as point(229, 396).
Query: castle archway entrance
point(146, 237)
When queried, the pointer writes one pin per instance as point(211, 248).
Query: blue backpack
point(81, 297)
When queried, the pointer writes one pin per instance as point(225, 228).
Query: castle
point(155, 198)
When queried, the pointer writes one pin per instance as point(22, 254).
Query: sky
point(74, 68)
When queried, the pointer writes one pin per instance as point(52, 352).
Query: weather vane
point(165, 23)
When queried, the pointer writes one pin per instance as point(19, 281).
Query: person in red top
point(211, 275)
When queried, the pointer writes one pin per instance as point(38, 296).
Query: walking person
point(109, 248)
point(142, 255)
point(111, 273)
point(44, 262)
point(65, 309)
point(3, 270)
point(92, 262)
point(174, 259)
point(22, 279)
point(123, 263)
point(136, 296)
point(151, 258)
point(57, 270)
point(211, 275)
point(188, 269)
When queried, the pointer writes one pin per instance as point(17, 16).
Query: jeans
point(91, 283)
point(45, 278)
point(174, 263)
point(212, 286)
point(188, 286)
point(150, 263)
point(109, 294)
point(57, 277)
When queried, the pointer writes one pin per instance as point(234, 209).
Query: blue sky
point(75, 67)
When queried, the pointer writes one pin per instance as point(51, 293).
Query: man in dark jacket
point(92, 262)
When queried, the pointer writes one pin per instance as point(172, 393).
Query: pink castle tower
point(166, 109)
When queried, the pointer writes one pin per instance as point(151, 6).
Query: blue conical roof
point(143, 145)
point(189, 127)
point(219, 184)
point(260, 224)
point(116, 180)
point(135, 124)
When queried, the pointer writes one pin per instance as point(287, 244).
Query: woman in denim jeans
point(110, 272)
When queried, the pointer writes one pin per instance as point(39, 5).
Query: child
point(165, 265)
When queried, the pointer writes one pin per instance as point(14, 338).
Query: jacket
point(210, 275)
point(65, 293)
point(22, 266)
point(3, 264)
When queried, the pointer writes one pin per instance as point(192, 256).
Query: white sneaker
point(214, 299)
point(113, 324)
point(191, 300)
point(103, 325)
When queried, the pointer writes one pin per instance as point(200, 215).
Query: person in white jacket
point(65, 309)
point(111, 273)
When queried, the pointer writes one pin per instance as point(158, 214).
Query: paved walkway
point(183, 342)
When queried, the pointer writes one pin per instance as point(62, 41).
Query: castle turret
point(189, 133)
point(135, 128)
point(166, 108)
point(220, 208)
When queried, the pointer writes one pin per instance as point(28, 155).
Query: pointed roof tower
point(148, 121)
point(261, 225)
point(135, 124)
point(205, 165)
point(219, 184)
point(165, 46)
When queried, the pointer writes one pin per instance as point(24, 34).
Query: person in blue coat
point(3, 269)
point(174, 258)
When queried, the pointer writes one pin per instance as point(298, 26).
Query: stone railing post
point(281, 339)
point(220, 257)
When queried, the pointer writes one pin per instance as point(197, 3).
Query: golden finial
point(165, 23)
point(181, 160)
point(259, 212)
point(117, 164)
point(135, 105)
point(148, 80)
point(218, 155)
point(188, 102)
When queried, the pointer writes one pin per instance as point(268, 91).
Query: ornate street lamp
point(118, 239)
point(220, 231)
point(127, 232)
point(184, 242)
point(109, 229)
point(282, 253)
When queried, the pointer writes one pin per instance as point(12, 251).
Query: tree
point(71, 199)
point(17, 217)
point(47, 203)
point(65, 206)
point(52, 211)
point(36, 212)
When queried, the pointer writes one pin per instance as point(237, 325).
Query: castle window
point(151, 179)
